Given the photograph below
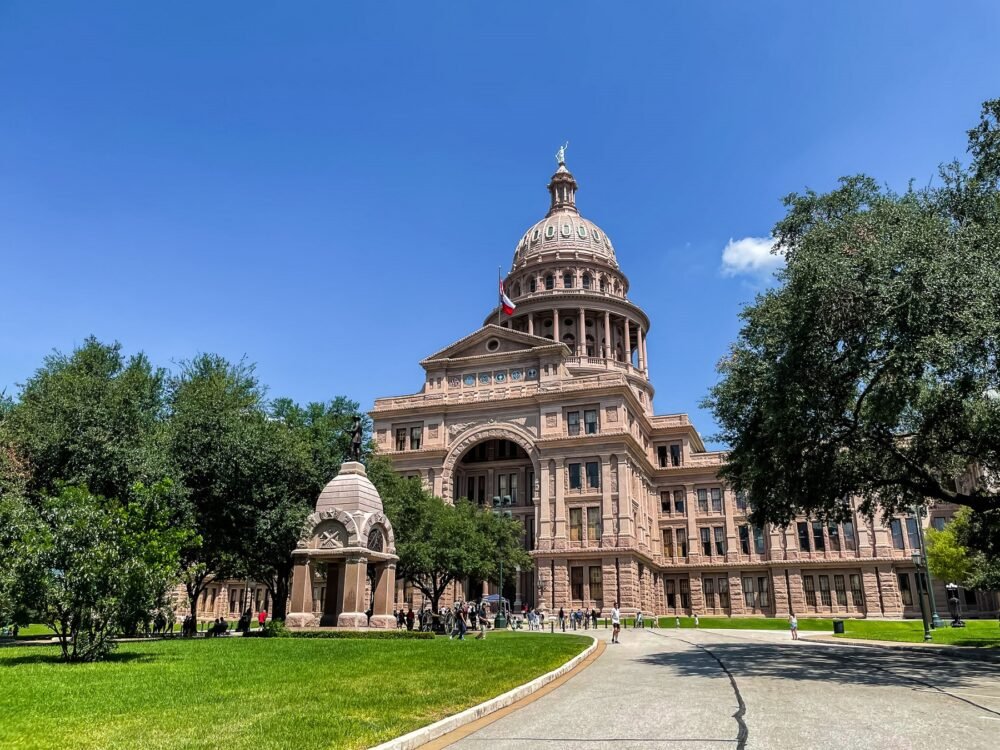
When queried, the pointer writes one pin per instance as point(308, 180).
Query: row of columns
point(581, 343)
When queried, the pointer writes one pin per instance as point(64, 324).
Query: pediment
point(494, 341)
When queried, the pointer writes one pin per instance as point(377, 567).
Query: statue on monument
point(561, 154)
point(354, 453)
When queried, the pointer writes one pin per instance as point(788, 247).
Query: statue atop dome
point(561, 154)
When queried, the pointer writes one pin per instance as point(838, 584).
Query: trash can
point(838, 627)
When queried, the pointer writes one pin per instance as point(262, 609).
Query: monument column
point(355, 577)
point(385, 585)
point(581, 338)
point(628, 340)
point(640, 351)
point(645, 358)
point(555, 325)
point(531, 323)
point(302, 599)
point(607, 335)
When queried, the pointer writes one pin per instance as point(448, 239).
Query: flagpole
point(499, 296)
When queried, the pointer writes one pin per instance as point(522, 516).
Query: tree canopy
point(871, 369)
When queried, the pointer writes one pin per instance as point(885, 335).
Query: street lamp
point(501, 620)
point(918, 561)
point(954, 605)
point(918, 513)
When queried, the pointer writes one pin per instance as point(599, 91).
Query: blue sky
point(329, 190)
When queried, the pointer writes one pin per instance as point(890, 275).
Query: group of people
point(578, 618)
point(220, 626)
point(455, 620)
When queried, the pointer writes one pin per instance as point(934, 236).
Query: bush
point(271, 629)
point(384, 635)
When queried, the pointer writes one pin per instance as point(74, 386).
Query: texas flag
point(506, 305)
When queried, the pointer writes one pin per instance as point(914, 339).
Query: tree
point(216, 413)
point(90, 418)
point(438, 543)
point(87, 564)
point(871, 370)
point(947, 558)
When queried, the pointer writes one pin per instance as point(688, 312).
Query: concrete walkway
point(756, 689)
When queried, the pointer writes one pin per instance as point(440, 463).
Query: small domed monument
point(350, 537)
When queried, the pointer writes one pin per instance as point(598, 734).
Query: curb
point(423, 735)
point(968, 652)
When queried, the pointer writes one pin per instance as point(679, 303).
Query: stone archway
point(477, 434)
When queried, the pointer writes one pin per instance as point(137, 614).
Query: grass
point(259, 693)
point(978, 633)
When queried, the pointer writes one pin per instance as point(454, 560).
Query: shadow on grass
point(55, 657)
point(868, 667)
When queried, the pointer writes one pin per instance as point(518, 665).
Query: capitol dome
point(563, 229)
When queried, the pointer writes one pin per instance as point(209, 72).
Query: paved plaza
point(716, 689)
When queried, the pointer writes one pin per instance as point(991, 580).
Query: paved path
point(700, 689)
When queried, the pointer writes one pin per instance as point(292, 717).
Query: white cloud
point(750, 256)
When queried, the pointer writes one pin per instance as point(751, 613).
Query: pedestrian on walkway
point(677, 622)
point(638, 618)
point(696, 622)
point(793, 624)
point(616, 624)
point(562, 619)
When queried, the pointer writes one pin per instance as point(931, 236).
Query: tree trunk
point(279, 603)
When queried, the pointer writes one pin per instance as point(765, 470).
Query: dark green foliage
point(872, 369)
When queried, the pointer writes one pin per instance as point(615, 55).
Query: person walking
point(616, 624)
point(562, 619)
point(793, 625)
point(697, 623)
point(638, 618)
point(262, 618)
point(483, 617)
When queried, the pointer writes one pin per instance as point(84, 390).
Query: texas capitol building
point(548, 417)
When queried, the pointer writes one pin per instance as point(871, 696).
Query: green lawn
point(258, 693)
point(975, 633)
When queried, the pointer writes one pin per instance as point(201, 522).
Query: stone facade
point(547, 415)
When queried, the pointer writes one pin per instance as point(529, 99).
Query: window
point(669, 586)
point(724, 593)
point(970, 598)
point(513, 489)
point(576, 579)
point(679, 501)
point(763, 591)
point(841, 589)
point(912, 533)
point(415, 435)
point(532, 284)
point(675, 455)
point(857, 594)
point(708, 586)
point(401, 439)
point(668, 543)
point(824, 590)
point(685, 593)
point(470, 491)
point(665, 502)
point(568, 280)
point(530, 497)
point(586, 281)
point(741, 501)
point(720, 540)
point(818, 543)
point(682, 542)
point(749, 597)
point(834, 532)
point(803, 529)
point(482, 489)
point(938, 523)
point(809, 588)
point(745, 539)
point(661, 455)
point(573, 422)
point(594, 523)
point(716, 499)
point(904, 588)
point(596, 582)
point(897, 533)
point(593, 475)
point(550, 282)
point(758, 540)
point(703, 500)
point(574, 477)
point(590, 421)
point(706, 541)
point(575, 525)
point(849, 540)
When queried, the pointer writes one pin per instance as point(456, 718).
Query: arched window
point(550, 282)
point(586, 281)
point(531, 284)
point(590, 347)
point(568, 280)
point(570, 340)
point(517, 290)
point(604, 283)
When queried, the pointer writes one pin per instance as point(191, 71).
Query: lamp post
point(918, 512)
point(955, 605)
point(501, 620)
point(918, 562)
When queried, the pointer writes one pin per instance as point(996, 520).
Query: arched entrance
point(497, 467)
